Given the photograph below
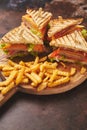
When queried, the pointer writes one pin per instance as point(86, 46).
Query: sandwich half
point(67, 42)
point(60, 27)
point(37, 21)
point(21, 41)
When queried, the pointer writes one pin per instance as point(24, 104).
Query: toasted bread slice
point(21, 34)
point(40, 17)
point(73, 40)
point(60, 24)
point(37, 21)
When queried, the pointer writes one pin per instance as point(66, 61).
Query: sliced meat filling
point(15, 48)
point(66, 31)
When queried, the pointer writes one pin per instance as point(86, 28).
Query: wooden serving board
point(4, 98)
point(75, 81)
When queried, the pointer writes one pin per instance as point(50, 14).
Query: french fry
point(59, 82)
point(43, 59)
point(28, 64)
point(7, 68)
point(46, 78)
point(35, 67)
point(17, 67)
point(72, 71)
point(63, 73)
point(42, 66)
point(1, 88)
point(41, 74)
point(2, 66)
point(25, 80)
point(53, 76)
point(42, 86)
point(8, 88)
point(11, 63)
point(6, 73)
point(83, 70)
point(36, 60)
point(37, 77)
point(22, 63)
point(31, 78)
point(9, 79)
point(33, 84)
point(20, 76)
point(50, 71)
point(51, 66)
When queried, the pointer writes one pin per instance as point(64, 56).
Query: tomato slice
point(55, 53)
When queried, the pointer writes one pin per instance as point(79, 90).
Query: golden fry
point(46, 78)
point(51, 65)
point(25, 80)
point(50, 71)
point(20, 76)
point(72, 71)
point(7, 68)
point(36, 60)
point(53, 76)
point(63, 73)
point(8, 88)
point(42, 67)
point(11, 63)
point(17, 67)
point(41, 74)
point(1, 88)
point(43, 59)
point(59, 82)
point(42, 86)
point(28, 64)
point(35, 67)
point(1, 66)
point(37, 77)
point(33, 84)
point(6, 73)
point(83, 70)
point(22, 63)
point(31, 78)
point(9, 79)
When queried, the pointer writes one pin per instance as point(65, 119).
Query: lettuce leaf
point(84, 33)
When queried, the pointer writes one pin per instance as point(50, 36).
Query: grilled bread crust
point(74, 40)
point(60, 24)
point(40, 17)
point(21, 34)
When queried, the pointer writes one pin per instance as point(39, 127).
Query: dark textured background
point(67, 111)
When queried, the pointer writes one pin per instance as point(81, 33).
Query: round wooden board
point(75, 81)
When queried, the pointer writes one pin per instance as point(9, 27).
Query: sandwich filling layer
point(64, 54)
point(12, 49)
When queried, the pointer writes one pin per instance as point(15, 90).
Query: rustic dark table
point(66, 111)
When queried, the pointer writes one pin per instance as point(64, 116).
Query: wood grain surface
point(75, 81)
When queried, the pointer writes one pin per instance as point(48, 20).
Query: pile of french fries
point(40, 74)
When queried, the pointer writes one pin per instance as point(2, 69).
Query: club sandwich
point(67, 41)
point(37, 21)
point(21, 41)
